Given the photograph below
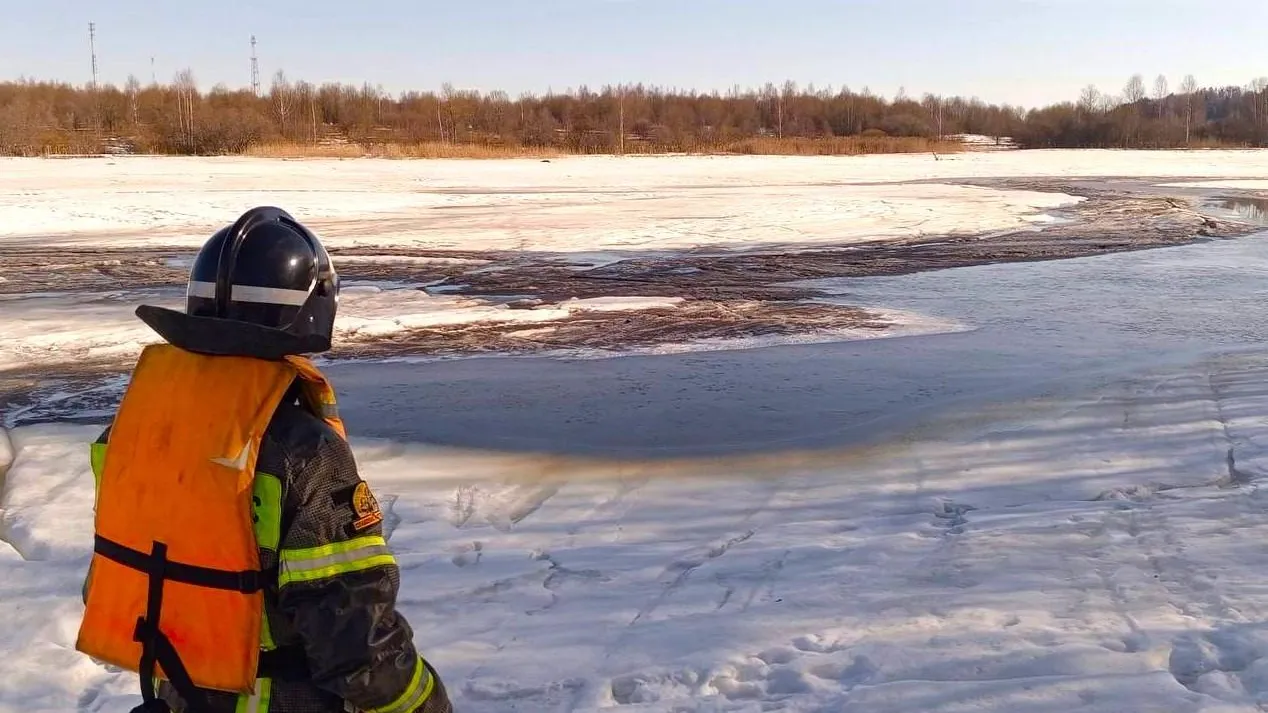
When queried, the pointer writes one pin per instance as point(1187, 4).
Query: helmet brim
point(225, 337)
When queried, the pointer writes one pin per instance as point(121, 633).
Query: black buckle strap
point(156, 647)
point(246, 582)
point(160, 648)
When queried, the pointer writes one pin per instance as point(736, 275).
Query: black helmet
point(263, 286)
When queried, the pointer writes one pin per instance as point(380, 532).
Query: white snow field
point(571, 205)
point(567, 205)
point(1095, 553)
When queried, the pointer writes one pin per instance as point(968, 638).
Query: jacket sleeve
point(338, 584)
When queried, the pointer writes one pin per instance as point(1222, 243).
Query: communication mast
point(92, 45)
point(255, 69)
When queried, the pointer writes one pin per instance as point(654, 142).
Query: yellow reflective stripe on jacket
point(266, 509)
point(266, 633)
point(257, 702)
point(266, 504)
point(416, 693)
point(332, 560)
point(266, 644)
point(97, 456)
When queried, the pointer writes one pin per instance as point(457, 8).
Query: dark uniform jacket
point(337, 642)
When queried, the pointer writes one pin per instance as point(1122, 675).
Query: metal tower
point(92, 44)
point(255, 69)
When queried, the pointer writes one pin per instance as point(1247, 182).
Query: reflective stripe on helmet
point(252, 293)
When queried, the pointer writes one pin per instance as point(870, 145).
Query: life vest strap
point(155, 646)
point(288, 663)
point(246, 582)
point(159, 648)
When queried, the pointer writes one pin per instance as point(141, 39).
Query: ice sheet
point(57, 329)
point(79, 327)
point(593, 206)
point(581, 204)
point(1250, 185)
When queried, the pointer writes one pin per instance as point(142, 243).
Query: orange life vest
point(176, 589)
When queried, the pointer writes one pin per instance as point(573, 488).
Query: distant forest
point(39, 118)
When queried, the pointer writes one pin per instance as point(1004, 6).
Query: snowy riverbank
point(1092, 553)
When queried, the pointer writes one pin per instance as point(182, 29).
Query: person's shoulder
point(298, 428)
point(297, 440)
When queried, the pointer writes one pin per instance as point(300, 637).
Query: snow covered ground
point(1064, 513)
point(645, 204)
point(567, 205)
point(1095, 553)
point(571, 205)
point(1091, 549)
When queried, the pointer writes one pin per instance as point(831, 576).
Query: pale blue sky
point(1018, 51)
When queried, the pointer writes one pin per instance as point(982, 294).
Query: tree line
point(39, 117)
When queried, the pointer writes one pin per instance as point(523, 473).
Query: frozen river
point(1036, 328)
point(1099, 551)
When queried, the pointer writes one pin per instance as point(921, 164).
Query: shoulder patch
point(366, 507)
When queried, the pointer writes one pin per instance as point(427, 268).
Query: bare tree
point(934, 106)
point(303, 93)
point(524, 99)
point(775, 105)
point(1259, 100)
point(1134, 92)
point(186, 91)
point(133, 89)
point(621, 123)
point(1161, 92)
point(786, 97)
point(447, 95)
point(281, 95)
point(1090, 99)
point(1188, 88)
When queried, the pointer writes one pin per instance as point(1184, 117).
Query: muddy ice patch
point(601, 329)
point(35, 270)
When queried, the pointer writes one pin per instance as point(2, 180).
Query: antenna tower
point(255, 69)
point(92, 45)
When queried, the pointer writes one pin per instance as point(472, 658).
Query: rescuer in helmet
point(239, 561)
